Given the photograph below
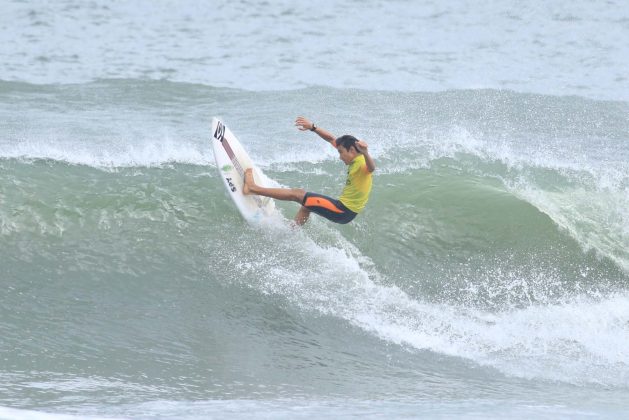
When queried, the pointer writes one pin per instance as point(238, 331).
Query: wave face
point(492, 261)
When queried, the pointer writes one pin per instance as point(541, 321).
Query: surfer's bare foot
point(249, 182)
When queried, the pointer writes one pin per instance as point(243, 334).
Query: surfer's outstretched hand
point(303, 124)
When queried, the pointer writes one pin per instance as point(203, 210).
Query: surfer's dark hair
point(347, 142)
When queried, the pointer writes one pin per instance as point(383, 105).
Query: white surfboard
point(231, 161)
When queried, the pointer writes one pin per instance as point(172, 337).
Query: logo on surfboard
point(231, 184)
point(219, 134)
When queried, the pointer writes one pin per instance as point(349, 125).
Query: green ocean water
point(488, 270)
point(487, 277)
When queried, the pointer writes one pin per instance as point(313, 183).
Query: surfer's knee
point(298, 195)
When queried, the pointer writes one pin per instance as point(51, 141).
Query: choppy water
point(488, 276)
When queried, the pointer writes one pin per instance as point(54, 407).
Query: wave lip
point(141, 154)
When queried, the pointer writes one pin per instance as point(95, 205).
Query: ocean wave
point(449, 203)
point(490, 227)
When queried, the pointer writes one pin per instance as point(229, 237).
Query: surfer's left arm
point(363, 148)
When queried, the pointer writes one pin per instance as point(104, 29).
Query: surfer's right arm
point(304, 124)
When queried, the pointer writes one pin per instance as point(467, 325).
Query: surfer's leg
point(302, 216)
point(328, 207)
point(284, 194)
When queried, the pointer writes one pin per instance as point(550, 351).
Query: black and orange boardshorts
point(327, 207)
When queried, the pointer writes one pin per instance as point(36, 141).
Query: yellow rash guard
point(358, 185)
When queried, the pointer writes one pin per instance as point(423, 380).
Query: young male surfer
point(352, 152)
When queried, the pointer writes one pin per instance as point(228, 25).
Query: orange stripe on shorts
point(322, 202)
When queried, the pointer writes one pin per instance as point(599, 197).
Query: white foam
point(582, 340)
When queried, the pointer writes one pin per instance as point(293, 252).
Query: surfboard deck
point(231, 161)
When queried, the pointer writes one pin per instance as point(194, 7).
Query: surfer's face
point(347, 156)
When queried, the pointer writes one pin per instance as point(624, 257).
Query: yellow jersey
point(358, 185)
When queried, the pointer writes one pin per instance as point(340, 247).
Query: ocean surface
point(488, 276)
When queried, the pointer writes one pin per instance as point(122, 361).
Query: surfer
point(352, 152)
